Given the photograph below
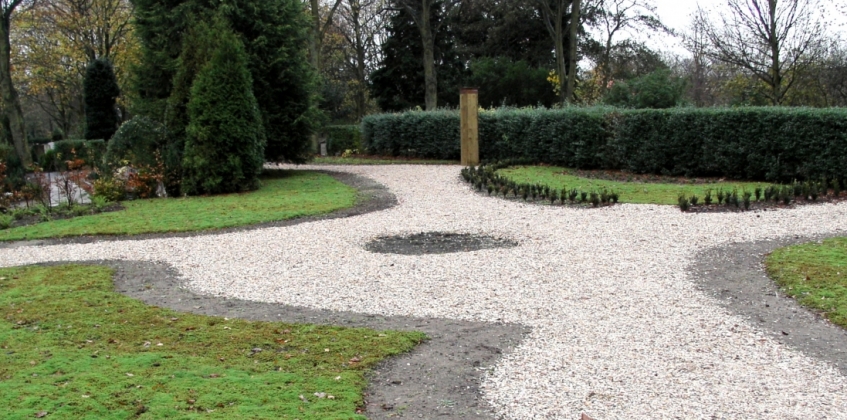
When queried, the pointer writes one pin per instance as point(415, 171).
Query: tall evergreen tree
point(398, 84)
point(100, 90)
point(275, 36)
point(225, 140)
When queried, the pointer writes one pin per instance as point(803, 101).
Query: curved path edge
point(734, 275)
point(441, 377)
point(371, 196)
point(438, 378)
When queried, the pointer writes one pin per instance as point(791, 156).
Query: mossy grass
point(629, 192)
point(359, 160)
point(815, 274)
point(70, 347)
point(283, 195)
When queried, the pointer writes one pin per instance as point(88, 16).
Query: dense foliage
point(771, 144)
point(89, 151)
point(225, 141)
point(340, 138)
point(659, 89)
point(135, 142)
point(274, 34)
point(100, 93)
point(398, 83)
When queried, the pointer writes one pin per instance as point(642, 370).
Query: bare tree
point(421, 13)
point(697, 43)
point(320, 25)
point(617, 16)
point(775, 40)
point(12, 118)
point(360, 23)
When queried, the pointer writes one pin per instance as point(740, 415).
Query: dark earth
point(735, 276)
point(441, 377)
point(436, 243)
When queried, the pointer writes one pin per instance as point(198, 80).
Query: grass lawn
point(358, 160)
point(815, 274)
point(71, 348)
point(283, 195)
point(630, 192)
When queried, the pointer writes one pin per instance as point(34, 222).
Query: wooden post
point(469, 103)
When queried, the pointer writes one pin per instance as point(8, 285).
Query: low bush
point(110, 189)
point(135, 142)
point(769, 144)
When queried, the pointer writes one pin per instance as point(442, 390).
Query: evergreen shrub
point(756, 143)
point(100, 88)
point(225, 141)
point(136, 141)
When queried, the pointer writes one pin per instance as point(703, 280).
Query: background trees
point(775, 40)
point(334, 61)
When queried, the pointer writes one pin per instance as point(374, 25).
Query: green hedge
point(340, 138)
point(771, 144)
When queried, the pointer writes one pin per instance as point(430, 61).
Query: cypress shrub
point(100, 90)
point(225, 141)
point(768, 144)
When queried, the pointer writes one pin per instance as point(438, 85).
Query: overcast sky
point(677, 15)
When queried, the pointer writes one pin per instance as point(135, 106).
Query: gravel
point(620, 327)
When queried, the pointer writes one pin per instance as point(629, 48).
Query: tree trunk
point(776, 72)
point(572, 53)
point(361, 83)
point(561, 70)
point(13, 118)
point(430, 78)
point(315, 36)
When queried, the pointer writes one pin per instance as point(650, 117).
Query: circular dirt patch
point(436, 243)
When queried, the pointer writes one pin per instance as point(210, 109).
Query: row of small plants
point(485, 179)
point(808, 191)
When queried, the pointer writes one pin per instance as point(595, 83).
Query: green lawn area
point(337, 160)
point(815, 274)
point(630, 192)
point(73, 348)
point(283, 195)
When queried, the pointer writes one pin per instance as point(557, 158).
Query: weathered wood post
point(469, 104)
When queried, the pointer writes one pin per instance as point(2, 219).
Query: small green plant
point(490, 188)
point(110, 189)
point(707, 198)
point(583, 196)
point(553, 196)
point(6, 221)
point(694, 200)
point(721, 196)
point(594, 199)
point(758, 192)
point(683, 203)
point(572, 195)
point(746, 199)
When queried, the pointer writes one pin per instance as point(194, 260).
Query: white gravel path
point(619, 331)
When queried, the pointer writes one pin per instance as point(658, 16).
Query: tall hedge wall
point(771, 144)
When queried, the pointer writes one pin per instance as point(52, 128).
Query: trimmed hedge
point(770, 144)
point(340, 138)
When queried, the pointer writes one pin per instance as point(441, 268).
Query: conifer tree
point(225, 140)
point(100, 92)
